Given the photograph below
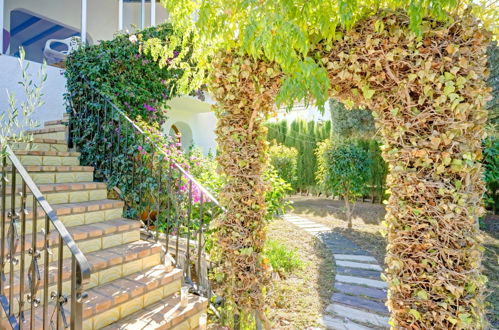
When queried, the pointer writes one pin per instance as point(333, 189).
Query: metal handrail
point(180, 168)
point(80, 267)
point(156, 188)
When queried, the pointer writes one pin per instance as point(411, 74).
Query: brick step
point(54, 158)
point(76, 214)
point(89, 238)
point(118, 299)
point(61, 193)
point(107, 266)
point(41, 145)
point(57, 133)
point(165, 314)
point(56, 174)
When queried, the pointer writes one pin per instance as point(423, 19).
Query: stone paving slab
point(331, 322)
point(354, 257)
point(360, 265)
point(361, 281)
point(358, 290)
point(356, 301)
point(372, 274)
point(360, 294)
point(358, 315)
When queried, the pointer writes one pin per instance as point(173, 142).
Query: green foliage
point(493, 81)
point(284, 160)
point(378, 169)
point(354, 123)
point(491, 177)
point(285, 32)
point(206, 170)
point(17, 118)
point(282, 259)
point(133, 79)
point(303, 136)
point(343, 170)
point(275, 196)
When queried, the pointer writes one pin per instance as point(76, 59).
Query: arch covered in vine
point(427, 94)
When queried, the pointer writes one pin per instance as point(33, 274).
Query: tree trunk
point(245, 98)
point(348, 211)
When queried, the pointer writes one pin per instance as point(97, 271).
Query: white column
point(153, 12)
point(83, 22)
point(142, 14)
point(2, 5)
point(120, 15)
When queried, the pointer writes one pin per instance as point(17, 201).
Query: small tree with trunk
point(343, 170)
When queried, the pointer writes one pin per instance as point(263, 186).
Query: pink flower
point(132, 38)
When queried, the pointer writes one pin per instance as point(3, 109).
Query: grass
point(302, 294)
point(284, 261)
point(366, 233)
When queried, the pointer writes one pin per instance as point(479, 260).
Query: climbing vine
point(428, 95)
point(419, 66)
point(245, 91)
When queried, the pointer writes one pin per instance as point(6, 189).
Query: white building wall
point(201, 128)
point(53, 88)
point(102, 17)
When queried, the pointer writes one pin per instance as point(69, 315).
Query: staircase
point(130, 286)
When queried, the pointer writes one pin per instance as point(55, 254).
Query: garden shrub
point(491, 173)
point(133, 80)
point(343, 170)
point(378, 169)
point(303, 136)
point(347, 124)
point(130, 77)
point(207, 172)
point(284, 161)
point(282, 259)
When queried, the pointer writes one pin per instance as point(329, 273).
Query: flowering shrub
point(132, 79)
point(206, 170)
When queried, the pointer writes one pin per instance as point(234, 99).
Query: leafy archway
point(419, 65)
point(428, 95)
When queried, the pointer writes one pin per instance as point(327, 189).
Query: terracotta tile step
point(53, 168)
point(47, 153)
point(46, 130)
point(59, 193)
point(55, 122)
point(60, 187)
point(165, 314)
point(41, 145)
point(81, 233)
point(74, 214)
point(106, 303)
point(106, 265)
point(47, 141)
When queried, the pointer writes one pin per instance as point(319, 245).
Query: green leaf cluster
point(284, 160)
point(343, 168)
point(132, 79)
point(286, 32)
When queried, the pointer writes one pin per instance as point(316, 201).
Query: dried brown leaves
point(245, 90)
point(428, 97)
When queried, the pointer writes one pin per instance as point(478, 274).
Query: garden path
point(359, 295)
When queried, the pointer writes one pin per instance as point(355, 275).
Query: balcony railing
point(175, 209)
point(28, 270)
